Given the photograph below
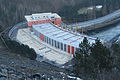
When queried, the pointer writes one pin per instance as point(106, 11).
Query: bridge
point(97, 23)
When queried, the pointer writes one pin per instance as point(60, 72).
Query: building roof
point(60, 35)
point(41, 16)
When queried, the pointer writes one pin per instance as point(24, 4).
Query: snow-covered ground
point(75, 78)
point(42, 49)
point(107, 35)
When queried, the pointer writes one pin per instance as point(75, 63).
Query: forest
point(97, 61)
point(70, 13)
point(13, 11)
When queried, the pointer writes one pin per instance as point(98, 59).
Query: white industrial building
point(59, 38)
point(46, 27)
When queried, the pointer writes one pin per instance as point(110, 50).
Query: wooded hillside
point(13, 11)
point(88, 10)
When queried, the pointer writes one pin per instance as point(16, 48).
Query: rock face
point(15, 67)
point(7, 73)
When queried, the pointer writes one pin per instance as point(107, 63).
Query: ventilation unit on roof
point(52, 17)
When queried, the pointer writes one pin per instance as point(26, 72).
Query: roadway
point(108, 17)
point(23, 35)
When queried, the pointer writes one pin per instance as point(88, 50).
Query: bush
point(21, 49)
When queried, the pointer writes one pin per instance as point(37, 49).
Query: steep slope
point(13, 11)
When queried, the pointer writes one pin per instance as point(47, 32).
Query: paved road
point(108, 17)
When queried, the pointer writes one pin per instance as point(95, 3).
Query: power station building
point(55, 36)
point(43, 18)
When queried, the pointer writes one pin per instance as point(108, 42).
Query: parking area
point(25, 36)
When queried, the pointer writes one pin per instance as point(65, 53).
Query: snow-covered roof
point(60, 35)
point(41, 16)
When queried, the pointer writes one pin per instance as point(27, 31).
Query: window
point(55, 44)
point(52, 17)
point(58, 45)
point(61, 46)
point(52, 42)
point(64, 47)
point(47, 39)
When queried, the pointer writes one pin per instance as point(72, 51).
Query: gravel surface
point(23, 67)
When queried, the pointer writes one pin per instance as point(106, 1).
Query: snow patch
point(99, 6)
point(71, 77)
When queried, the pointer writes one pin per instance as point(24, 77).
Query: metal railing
point(15, 27)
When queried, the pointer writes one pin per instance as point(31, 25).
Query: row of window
point(42, 21)
point(54, 43)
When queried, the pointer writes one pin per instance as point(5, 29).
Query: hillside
point(88, 10)
point(13, 11)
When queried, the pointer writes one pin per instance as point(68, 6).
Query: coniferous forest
point(13, 11)
point(97, 61)
point(70, 13)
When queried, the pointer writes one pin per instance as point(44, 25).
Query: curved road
point(108, 17)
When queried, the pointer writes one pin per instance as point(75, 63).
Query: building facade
point(45, 26)
point(43, 18)
point(59, 38)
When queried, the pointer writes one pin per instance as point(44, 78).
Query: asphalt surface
point(108, 17)
point(28, 66)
